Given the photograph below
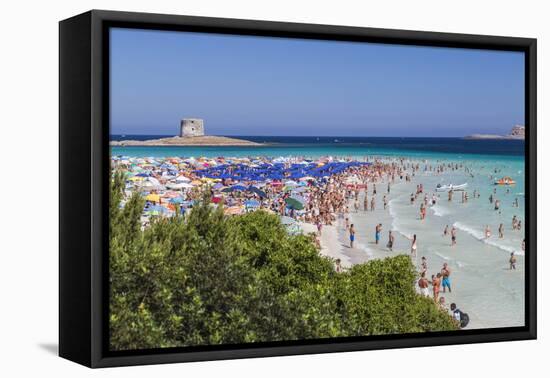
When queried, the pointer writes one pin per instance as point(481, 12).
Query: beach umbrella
point(179, 186)
point(294, 204)
point(307, 178)
point(182, 178)
point(153, 198)
point(252, 203)
point(234, 188)
point(257, 191)
point(216, 199)
point(176, 200)
point(300, 199)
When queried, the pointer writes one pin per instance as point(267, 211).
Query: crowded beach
point(345, 203)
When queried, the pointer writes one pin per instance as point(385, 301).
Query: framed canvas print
point(234, 188)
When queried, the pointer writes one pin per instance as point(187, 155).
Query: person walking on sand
point(513, 261)
point(351, 235)
point(501, 231)
point(385, 200)
point(372, 204)
point(423, 285)
point(453, 236)
point(366, 203)
point(446, 280)
point(413, 246)
point(391, 240)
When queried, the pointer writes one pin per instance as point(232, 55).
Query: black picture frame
point(83, 196)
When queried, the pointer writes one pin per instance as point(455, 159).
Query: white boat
point(446, 188)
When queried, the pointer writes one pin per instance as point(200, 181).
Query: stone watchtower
point(191, 127)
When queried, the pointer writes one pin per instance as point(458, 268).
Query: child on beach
point(442, 305)
point(413, 246)
point(446, 230)
point(501, 231)
point(338, 266)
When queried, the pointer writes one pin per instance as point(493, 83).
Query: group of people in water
point(439, 282)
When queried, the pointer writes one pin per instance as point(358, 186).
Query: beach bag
point(464, 319)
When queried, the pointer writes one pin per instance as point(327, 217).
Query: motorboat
point(452, 187)
point(505, 181)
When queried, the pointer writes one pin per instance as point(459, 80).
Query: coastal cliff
point(206, 140)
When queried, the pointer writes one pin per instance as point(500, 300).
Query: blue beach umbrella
point(257, 191)
point(252, 203)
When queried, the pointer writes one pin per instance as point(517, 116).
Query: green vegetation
point(212, 279)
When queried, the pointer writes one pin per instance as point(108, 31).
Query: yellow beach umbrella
point(153, 197)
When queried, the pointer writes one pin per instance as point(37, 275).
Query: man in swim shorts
point(445, 274)
point(423, 285)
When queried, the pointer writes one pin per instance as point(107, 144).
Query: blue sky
point(243, 85)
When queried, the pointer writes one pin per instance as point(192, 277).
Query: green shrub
point(212, 279)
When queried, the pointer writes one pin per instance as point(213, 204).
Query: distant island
point(205, 140)
point(191, 134)
point(517, 133)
